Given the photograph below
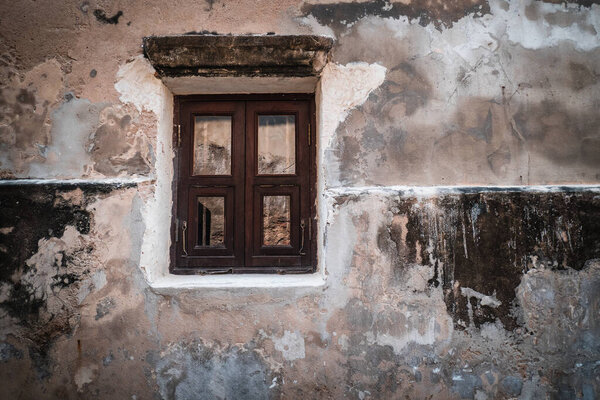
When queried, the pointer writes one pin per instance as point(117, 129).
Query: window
point(245, 177)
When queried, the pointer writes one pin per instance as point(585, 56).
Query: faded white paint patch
point(344, 342)
point(582, 29)
point(85, 375)
point(291, 345)
point(156, 213)
point(486, 300)
point(569, 321)
point(137, 85)
point(46, 265)
point(65, 157)
point(493, 331)
point(109, 225)
point(316, 28)
point(423, 334)
point(7, 230)
point(96, 282)
point(5, 292)
point(342, 88)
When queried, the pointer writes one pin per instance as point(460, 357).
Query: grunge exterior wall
point(459, 208)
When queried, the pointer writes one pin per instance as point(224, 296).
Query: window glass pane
point(276, 144)
point(276, 220)
point(212, 145)
point(211, 221)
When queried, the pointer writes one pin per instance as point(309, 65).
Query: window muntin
point(265, 212)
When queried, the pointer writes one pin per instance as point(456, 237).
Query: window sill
point(255, 281)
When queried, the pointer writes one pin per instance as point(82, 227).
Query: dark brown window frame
point(242, 253)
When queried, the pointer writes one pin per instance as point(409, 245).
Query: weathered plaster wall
point(433, 281)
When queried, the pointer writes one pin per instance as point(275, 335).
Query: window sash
point(244, 191)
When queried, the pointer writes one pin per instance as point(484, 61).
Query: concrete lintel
point(237, 55)
point(183, 85)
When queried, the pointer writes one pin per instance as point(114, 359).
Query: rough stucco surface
point(430, 292)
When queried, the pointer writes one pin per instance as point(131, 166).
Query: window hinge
point(178, 134)
point(309, 134)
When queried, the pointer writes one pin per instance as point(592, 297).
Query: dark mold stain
point(210, 4)
point(485, 131)
point(466, 385)
point(486, 241)
point(581, 3)
point(106, 361)
point(349, 152)
point(558, 134)
point(31, 213)
point(104, 307)
point(34, 212)
point(408, 86)
point(21, 120)
point(26, 97)
point(243, 55)
point(8, 352)
point(65, 280)
point(109, 148)
point(203, 32)
point(582, 76)
point(39, 354)
point(499, 159)
point(101, 16)
point(439, 12)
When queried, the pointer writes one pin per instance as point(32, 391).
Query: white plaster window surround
point(338, 89)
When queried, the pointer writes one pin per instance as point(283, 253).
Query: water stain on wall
point(440, 13)
point(486, 242)
point(44, 261)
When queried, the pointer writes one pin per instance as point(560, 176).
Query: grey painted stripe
point(117, 182)
point(439, 190)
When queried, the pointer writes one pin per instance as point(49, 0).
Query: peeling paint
point(137, 85)
point(457, 194)
point(291, 345)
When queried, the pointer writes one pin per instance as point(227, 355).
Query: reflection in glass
point(276, 220)
point(212, 145)
point(211, 221)
point(276, 144)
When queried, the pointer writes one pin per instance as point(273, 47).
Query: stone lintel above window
point(237, 55)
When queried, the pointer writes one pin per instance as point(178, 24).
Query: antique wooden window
point(245, 177)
